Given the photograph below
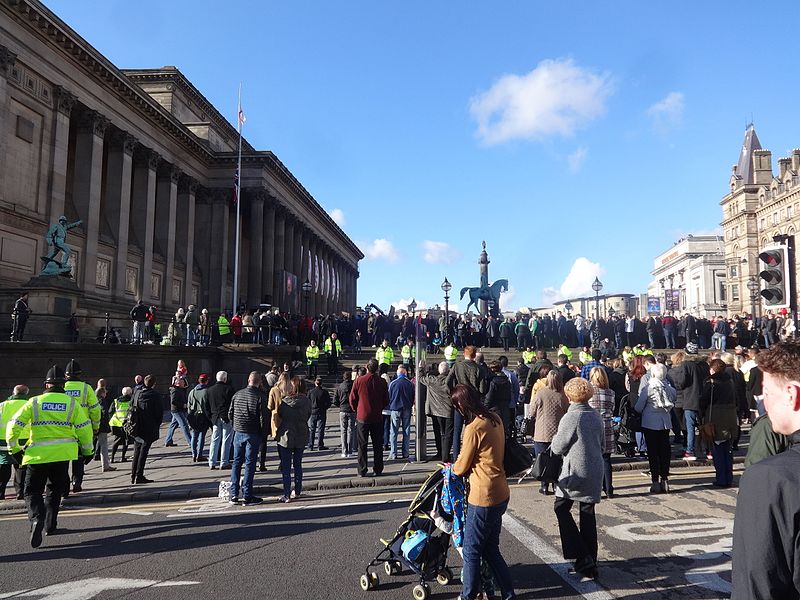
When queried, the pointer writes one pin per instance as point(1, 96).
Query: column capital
point(7, 60)
point(125, 140)
point(171, 172)
point(146, 157)
point(256, 194)
point(65, 100)
point(188, 183)
point(92, 121)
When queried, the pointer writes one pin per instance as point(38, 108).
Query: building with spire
point(759, 205)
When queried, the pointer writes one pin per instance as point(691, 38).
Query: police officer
point(333, 348)
point(312, 358)
point(408, 354)
point(384, 354)
point(450, 354)
point(8, 409)
point(76, 388)
point(59, 432)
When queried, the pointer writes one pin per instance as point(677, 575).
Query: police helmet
point(55, 375)
point(73, 369)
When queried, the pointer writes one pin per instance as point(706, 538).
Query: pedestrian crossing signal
point(775, 277)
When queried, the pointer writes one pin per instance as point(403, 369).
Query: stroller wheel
point(421, 591)
point(392, 567)
point(368, 581)
point(445, 576)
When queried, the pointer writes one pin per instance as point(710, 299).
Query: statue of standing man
point(57, 241)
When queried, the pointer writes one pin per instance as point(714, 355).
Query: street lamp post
point(753, 286)
point(611, 312)
point(568, 308)
point(597, 286)
point(446, 287)
point(412, 307)
point(306, 287)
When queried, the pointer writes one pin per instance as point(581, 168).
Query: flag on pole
point(241, 119)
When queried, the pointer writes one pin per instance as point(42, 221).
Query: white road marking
point(215, 506)
point(86, 589)
point(552, 557)
point(678, 529)
point(138, 513)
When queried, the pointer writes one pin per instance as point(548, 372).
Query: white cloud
point(666, 114)
point(337, 214)
point(403, 303)
point(380, 249)
point(575, 160)
point(506, 298)
point(577, 283)
point(556, 98)
point(439, 253)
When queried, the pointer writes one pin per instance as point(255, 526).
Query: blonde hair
point(598, 378)
point(728, 358)
point(578, 389)
point(554, 381)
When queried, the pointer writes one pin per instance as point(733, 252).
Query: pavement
point(651, 547)
point(175, 477)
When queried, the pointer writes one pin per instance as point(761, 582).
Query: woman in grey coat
point(440, 408)
point(579, 440)
point(656, 400)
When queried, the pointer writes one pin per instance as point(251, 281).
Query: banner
point(653, 305)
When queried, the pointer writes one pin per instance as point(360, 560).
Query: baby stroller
point(429, 558)
point(624, 438)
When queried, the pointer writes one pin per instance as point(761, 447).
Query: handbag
point(517, 458)
point(131, 424)
point(547, 467)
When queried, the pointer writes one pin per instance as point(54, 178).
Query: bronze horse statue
point(488, 293)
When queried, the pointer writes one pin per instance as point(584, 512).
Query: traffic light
point(775, 277)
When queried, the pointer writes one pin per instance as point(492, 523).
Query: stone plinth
point(52, 299)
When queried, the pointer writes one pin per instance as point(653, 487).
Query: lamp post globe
point(306, 287)
point(568, 308)
point(412, 307)
point(597, 286)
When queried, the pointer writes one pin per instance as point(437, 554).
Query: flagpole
point(238, 206)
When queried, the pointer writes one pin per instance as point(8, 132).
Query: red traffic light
point(772, 258)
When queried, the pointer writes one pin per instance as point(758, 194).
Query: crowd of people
point(576, 409)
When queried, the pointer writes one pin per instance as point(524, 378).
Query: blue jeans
point(458, 425)
point(669, 334)
point(291, 457)
point(245, 450)
point(482, 541)
point(178, 420)
point(691, 417)
point(222, 433)
point(723, 462)
point(315, 423)
point(387, 427)
point(191, 335)
point(198, 443)
point(400, 417)
point(718, 341)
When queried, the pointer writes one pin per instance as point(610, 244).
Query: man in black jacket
point(219, 401)
point(149, 411)
point(688, 376)
point(248, 417)
point(347, 416)
point(320, 403)
point(766, 559)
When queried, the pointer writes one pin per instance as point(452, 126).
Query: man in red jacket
point(368, 398)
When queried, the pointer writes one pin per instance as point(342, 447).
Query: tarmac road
point(674, 546)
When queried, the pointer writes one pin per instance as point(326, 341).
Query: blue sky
point(576, 138)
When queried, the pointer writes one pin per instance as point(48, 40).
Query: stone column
point(87, 188)
point(280, 240)
point(297, 250)
point(288, 253)
point(218, 269)
point(167, 211)
point(268, 263)
point(7, 60)
point(303, 274)
point(203, 250)
point(143, 202)
point(184, 234)
point(64, 101)
point(256, 200)
point(326, 283)
point(119, 174)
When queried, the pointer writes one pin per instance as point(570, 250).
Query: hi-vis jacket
point(59, 429)
point(88, 400)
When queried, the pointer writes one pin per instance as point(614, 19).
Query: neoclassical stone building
point(147, 164)
point(760, 205)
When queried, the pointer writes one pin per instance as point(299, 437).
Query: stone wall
point(28, 363)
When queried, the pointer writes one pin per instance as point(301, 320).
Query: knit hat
point(578, 389)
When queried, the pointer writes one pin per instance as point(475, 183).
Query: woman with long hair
point(481, 459)
point(603, 402)
point(294, 411)
point(548, 407)
point(633, 380)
